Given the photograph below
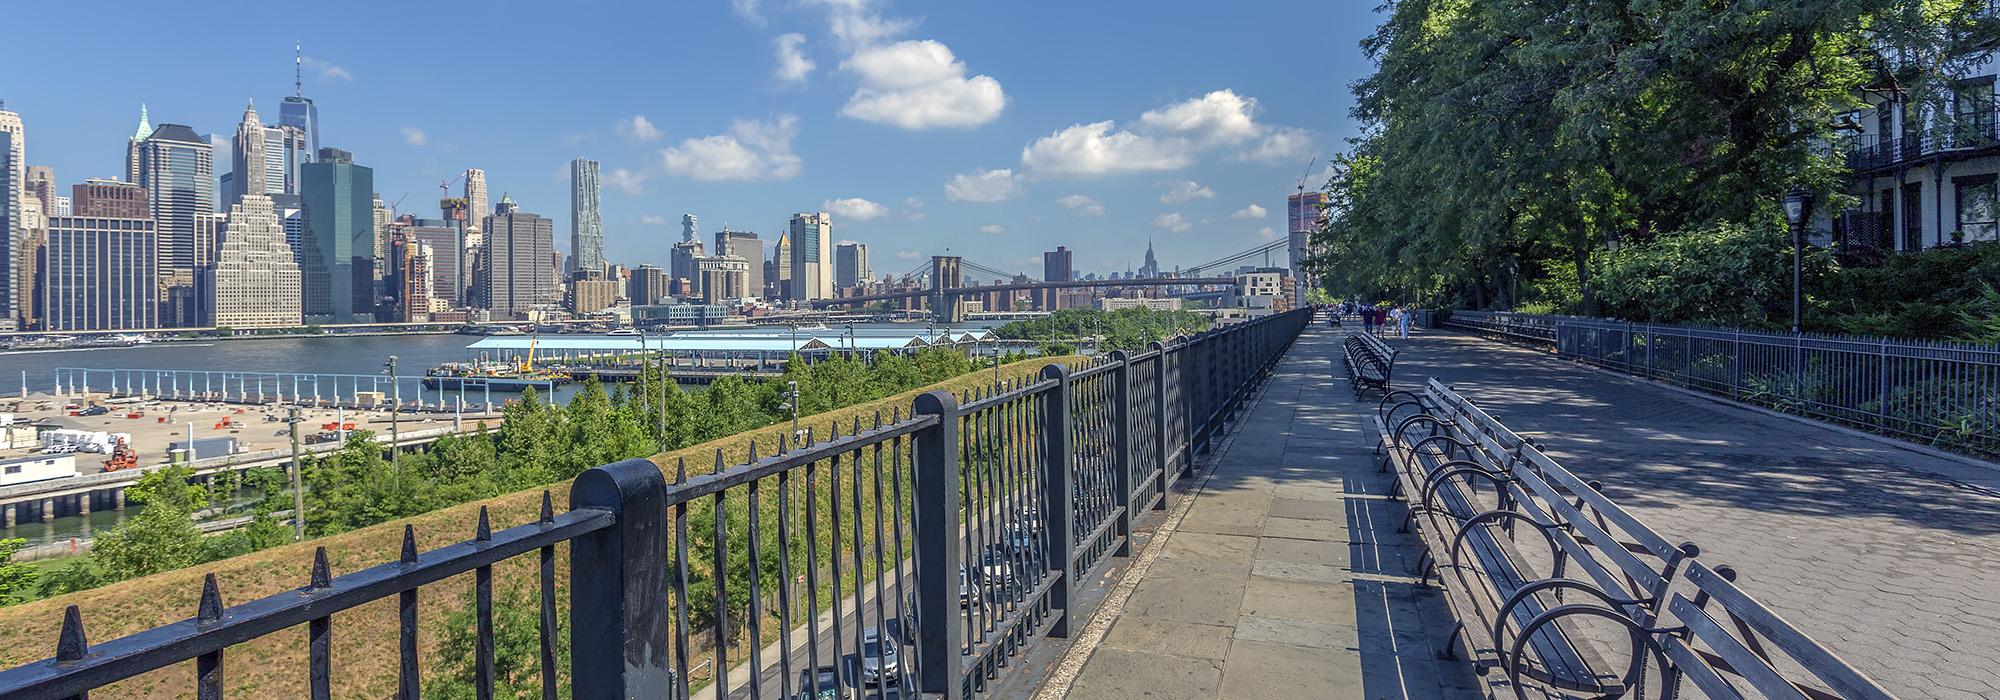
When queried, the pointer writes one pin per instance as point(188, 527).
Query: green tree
point(162, 536)
point(517, 647)
point(18, 581)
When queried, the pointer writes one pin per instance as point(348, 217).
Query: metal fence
point(1942, 394)
point(916, 553)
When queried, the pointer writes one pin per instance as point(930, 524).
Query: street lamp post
point(395, 413)
point(1798, 207)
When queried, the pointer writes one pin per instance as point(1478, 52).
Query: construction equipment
point(122, 456)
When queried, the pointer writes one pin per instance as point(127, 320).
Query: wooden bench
point(1590, 610)
point(1704, 651)
point(1369, 361)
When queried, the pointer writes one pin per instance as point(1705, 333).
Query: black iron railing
point(914, 552)
point(1939, 393)
point(1966, 131)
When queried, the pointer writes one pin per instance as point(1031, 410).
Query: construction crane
point(1307, 174)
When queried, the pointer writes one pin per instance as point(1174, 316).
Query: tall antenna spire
point(298, 69)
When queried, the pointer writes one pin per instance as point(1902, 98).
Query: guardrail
point(1014, 493)
point(1936, 393)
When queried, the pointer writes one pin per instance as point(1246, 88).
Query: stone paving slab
point(1286, 578)
point(1888, 555)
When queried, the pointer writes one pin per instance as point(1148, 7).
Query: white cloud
point(1250, 212)
point(627, 181)
point(638, 128)
point(653, 220)
point(793, 66)
point(920, 85)
point(1094, 149)
point(1185, 191)
point(1082, 205)
point(1167, 138)
point(327, 71)
point(1220, 116)
point(1267, 233)
point(908, 255)
point(1172, 222)
point(752, 150)
point(856, 23)
point(855, 208)
point(913, 208)
point(415, 136)
point(983, 186)
point(1283, 145)
point(748, 11)
point(995, 229)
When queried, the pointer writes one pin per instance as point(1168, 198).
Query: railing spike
point(878, 419)
point(409, 545)
point(322, 575)
point(857, 426)
point(753, 450)
point(680, 469)
point(72, 645)
point(548, 508)
point(718, 462)
point(210, 608)
point(485, 531)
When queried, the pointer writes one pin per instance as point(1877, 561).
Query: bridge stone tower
point(946, 307)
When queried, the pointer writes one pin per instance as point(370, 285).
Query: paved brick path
point(1888, 555)
point(1285, 578)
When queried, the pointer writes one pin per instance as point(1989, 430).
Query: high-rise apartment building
point(589, 296)
point(519, 256)
point(746, 245)
point(647, 285)
point(116, 199)
point(446, 255)
point(248, 168)
point(850, 265)
point(254, 282)
point(13, 180)
point(337, 196)
point(812, 256)
point(99, 273)
point(586, 219)
point(176, 166)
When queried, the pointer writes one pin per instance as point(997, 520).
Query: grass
point(364, 644)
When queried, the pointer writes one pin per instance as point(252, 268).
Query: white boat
point(131, 339)
point(623, 332)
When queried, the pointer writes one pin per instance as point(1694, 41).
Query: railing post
point(618, 585)
point(939, 636)
point(1057, 496)
point(1121, 448)
point(1160, 422)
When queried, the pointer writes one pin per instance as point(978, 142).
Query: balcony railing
point(1967, 132)
point(937, 544)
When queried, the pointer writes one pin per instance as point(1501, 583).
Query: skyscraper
point(13, 179)
point(176, 166)
point(812, 256)
point(132, 145)
point(519, 249)
point(475, 200)
point(98, 273)
point(684, 263)
point(1304, 217)
point(1056, 267)
point(255, 281)
point(297, 110)
point(1151, 268)
point(647, 286)
point(746, 245)
point(340, 233)
point(445, 258)
point(850, 265)
point(247, 165)
point(586, 220)
point(284, 151)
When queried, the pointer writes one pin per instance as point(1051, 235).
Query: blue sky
point(995, 130)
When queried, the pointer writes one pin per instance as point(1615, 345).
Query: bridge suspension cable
point(1239, 256)
point(989, 269)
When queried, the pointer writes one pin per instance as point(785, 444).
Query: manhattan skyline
point(919, 129)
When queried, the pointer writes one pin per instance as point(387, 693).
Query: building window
point(1978, 208)
point(1973, 125)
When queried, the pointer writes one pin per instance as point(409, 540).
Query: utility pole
point(395, 416)
point(298, 479)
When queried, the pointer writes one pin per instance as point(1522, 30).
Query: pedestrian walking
point(1403, 322)
point(1368, 319)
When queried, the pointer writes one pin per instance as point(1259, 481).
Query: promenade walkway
point(1284, 577)
point(1888, 555)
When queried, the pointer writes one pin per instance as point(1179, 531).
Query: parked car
point(94, 411)
point(967, 592)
